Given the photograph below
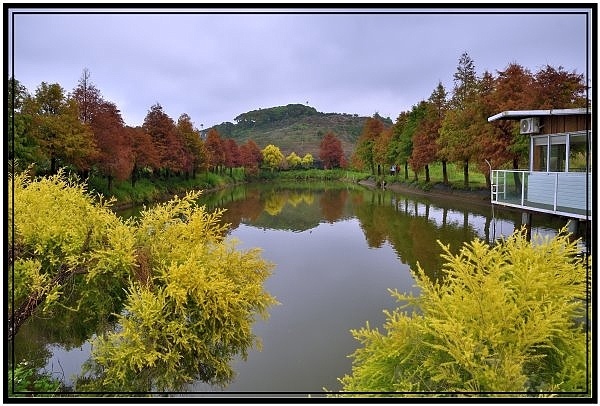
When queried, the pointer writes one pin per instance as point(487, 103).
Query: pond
point(337, 248)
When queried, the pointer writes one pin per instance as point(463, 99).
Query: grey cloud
point(214, 67)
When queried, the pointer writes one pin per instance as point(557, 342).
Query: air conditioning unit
point(530, 125)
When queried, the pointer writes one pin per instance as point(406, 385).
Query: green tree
point(401, 144)
point(272, 157)
point(457, 141)
point(63, 138)
point(364, 146)
point(22, 145)
point(505, 318)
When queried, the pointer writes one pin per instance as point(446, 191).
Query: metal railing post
point(555, 189)
point(522, 188)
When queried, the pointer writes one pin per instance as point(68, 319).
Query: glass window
point(558, 154)
point(577, 153)
point(540, 152)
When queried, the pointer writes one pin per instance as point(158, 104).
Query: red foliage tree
point(143, 153)
point(88, 97)
point(331, 152)
point(193, 146)
point(232, 154)
point(114, 159)
point(559, 89)
point(250, 156)
point(167, 141)
point(215, 149)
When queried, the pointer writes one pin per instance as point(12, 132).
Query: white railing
point(564, 193)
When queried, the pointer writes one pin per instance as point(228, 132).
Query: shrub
point(506, 318)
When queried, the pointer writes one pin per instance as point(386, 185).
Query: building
point(559, 178)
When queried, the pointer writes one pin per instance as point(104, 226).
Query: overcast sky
point(214, 66)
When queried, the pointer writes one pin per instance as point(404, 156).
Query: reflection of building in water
point(478, 222)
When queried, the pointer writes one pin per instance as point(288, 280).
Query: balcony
point(562, 193)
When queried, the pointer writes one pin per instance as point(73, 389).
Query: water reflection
point(411, 225)
point(338, 248)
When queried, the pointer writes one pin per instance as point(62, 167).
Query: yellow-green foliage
point(184, 297)
point(60, 229)
point(272, 156)
point(191, 306)
point(506, 318)
point(307, 160)
point(293, 160)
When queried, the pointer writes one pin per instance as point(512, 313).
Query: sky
point(216, 64)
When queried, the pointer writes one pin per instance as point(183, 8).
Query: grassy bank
point(455, 178)
point(148, 190)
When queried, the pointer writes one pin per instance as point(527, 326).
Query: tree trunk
point(406, 170)
point(445, 172)
point(53, 165)
point(427, 179)
point(133, 176)
point(466, 172)
point(110, 182)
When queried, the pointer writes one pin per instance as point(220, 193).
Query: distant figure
point(393, 170)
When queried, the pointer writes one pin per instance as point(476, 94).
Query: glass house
point(559, 178)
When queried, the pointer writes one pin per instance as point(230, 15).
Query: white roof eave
point(519, 114)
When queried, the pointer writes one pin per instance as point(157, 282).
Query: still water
point(337, 248)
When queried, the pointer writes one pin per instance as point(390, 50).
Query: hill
point(294, 127)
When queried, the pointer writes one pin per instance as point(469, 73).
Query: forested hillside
point(294, 128)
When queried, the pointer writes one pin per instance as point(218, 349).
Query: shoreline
point(481, 197)
point(439, 191)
